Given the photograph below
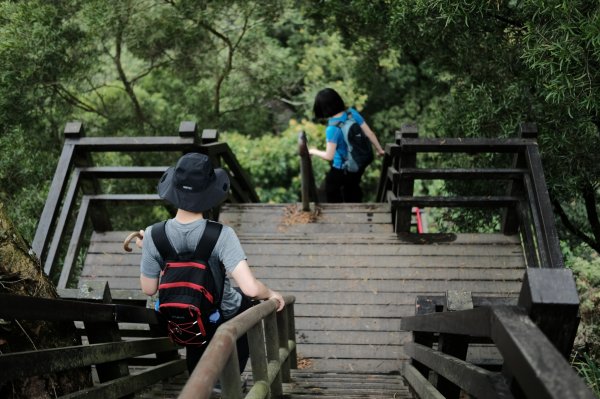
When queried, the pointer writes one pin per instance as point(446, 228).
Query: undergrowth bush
point(585, 264)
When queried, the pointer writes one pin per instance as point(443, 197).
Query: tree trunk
point(21, 274)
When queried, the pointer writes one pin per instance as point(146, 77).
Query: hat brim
point(199, 201)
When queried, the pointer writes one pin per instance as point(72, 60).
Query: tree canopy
point(251, 69)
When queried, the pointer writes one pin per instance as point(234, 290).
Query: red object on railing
point(417, 211)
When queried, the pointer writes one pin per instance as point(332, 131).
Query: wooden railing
point(532, 367)
point(271, 337)
point(543, 321)
point(76, 181)
point(309, 187)
point(117, 339)
point(526, 204)
point(107, 349)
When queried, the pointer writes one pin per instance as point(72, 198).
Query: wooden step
point(307, 384)
point(352, 286)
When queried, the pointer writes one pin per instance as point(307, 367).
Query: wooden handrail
point(272, 353)
point(106, 349)
point(548, 294)
point(526, 205)
point(529, 357)
point(309, 188)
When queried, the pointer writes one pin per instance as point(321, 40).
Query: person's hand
point(311, 151)
point(277, 296)
point(380, 152)
point(140, 241)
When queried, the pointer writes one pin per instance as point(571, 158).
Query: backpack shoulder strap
point(208, 240)
point(159, 237)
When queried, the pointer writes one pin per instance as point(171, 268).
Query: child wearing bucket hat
point(193, 186)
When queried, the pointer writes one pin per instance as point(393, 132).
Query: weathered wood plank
point(282, 261)
point(122, 387)
point(355, 365)
point(281, 218)
point(415, 286)
point(37, 362)
point(315, 337)
point(307, 249)
point(462, 238)
point(345, 272)
point(355, 351)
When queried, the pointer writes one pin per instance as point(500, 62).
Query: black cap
point(193, 184)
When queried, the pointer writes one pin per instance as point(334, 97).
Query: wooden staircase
point(306, 385)
point(353, 279)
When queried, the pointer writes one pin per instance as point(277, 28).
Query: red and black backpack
point(189, 294)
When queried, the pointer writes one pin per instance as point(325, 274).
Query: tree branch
point(589, 198)
point(571, 227)
point(231, 47)
point(76, 102)
point(123, 77)
point(151, 68)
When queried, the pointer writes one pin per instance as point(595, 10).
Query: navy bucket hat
point(193, 184)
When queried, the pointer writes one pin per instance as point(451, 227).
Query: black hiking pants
point(343, 186)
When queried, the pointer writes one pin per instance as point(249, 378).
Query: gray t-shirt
point(185, 237)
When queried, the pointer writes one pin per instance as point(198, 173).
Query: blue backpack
point(360, 151)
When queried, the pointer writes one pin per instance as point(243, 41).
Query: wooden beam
point(541, 204)
point(121, 144)
point(453, 202)
point(540, 369)
point(74, 243)
point(59, 230)
point(551, 300)
point(472, 379)
point(462, 174)
point(124, 386)
point(44, 361)
point(122, 172)
point(420, 384)
point(465, 145)
point(55, 192)
point(31, 308)
point(404, 186)
point(474, 322)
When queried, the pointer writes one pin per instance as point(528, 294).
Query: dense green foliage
point(251, 69)
point(479, 68)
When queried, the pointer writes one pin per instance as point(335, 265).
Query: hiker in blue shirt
point(341, 183)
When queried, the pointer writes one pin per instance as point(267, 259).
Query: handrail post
point(550, 298)
point(291, 329)
point(384, 181)
point(210, 136)
point(282, 330)
point(272, 341)
point(258, 354)
point(230, 376)
point(100, 332)
point(405, 186)
point(423, 306)
point(510, 220)
point(188, 129)
point(454, 345)
point(307, 177)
